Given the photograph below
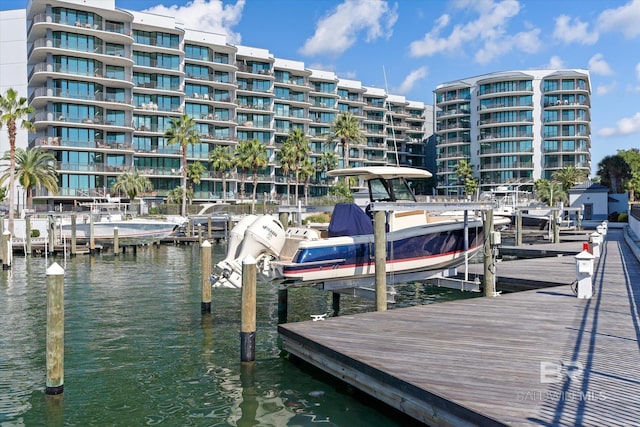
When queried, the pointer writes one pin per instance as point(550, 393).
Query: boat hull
point(129, 232)
point(423, 248)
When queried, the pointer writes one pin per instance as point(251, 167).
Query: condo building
point(106, 82)
point(513, 127)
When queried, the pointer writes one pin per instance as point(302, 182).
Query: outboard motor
point(265, 235)
point(236, 235)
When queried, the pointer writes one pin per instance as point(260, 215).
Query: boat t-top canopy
point(385, 172)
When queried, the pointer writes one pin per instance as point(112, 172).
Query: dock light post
point(584, 274)
point(595, 243)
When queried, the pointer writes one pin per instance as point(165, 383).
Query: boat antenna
point(393, 131)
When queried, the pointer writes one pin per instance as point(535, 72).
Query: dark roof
point(589, 187)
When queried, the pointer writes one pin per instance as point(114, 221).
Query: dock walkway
point(540, 357)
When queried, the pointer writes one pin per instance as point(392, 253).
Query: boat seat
point(293, 237)
point(404, 219)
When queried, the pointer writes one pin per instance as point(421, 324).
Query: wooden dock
point(540, 357)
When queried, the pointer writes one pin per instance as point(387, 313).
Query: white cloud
point(623, 19)
point(624, 126)
point(573, 32)
point(206, 15)
point(411, 79)
point(597, 65)
point(489, 29)
point(606, 89)
point(338, 31)
point(555, 62)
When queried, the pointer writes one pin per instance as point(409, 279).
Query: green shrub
point(318, 218)
point(35, 233)
point(623, 217)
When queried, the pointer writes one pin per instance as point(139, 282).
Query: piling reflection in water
point(138, 350)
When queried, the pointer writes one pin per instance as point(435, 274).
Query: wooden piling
point(518, 227)
point(8, 250)
point(27, 237)
point(284, 219)
point(74, 249)
point(92, 237)
point(283, 305)
point(188, 231)
point(52, 234)
point(3, 250)
point(209, 231)
point(116, 241)
point(489, 279)
point(556, 227)
point(55, 330)
point(380, 247)
point(248, 317)
point(200, 234)
point(335, 303)
point(205, 261)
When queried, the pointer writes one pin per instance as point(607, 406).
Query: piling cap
point(249, 260)
point(585, 255)
point(206, 244)
point(55, 270)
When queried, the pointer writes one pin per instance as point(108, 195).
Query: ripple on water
point(139, 352)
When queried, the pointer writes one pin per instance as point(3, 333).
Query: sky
point(410, 46)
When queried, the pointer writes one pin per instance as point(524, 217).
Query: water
point(139, 352)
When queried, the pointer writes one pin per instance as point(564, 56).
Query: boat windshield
point(390, 190)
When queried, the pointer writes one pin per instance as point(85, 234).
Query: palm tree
point(182, 130)
point(252, 155)
point(14, 110)
point(175, 196)
point(613, 171)
point(569, 176)
point(221, 160)
point(195, 171)
point(550, 191)
point(132, 184)
point(328, 161)
point(301, 147)
point(346, 129)
point(34, 168)
point(288, 158)
point(307, 171)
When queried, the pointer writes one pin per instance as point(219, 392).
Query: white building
point(513, 127)
point(106, 82)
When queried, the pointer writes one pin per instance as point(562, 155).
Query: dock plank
point(493, 361)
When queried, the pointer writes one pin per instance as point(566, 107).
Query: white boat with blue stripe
point(417, 240)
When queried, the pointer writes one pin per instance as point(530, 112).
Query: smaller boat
point(107, 216)
point(507, 201)
point(417, 240)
